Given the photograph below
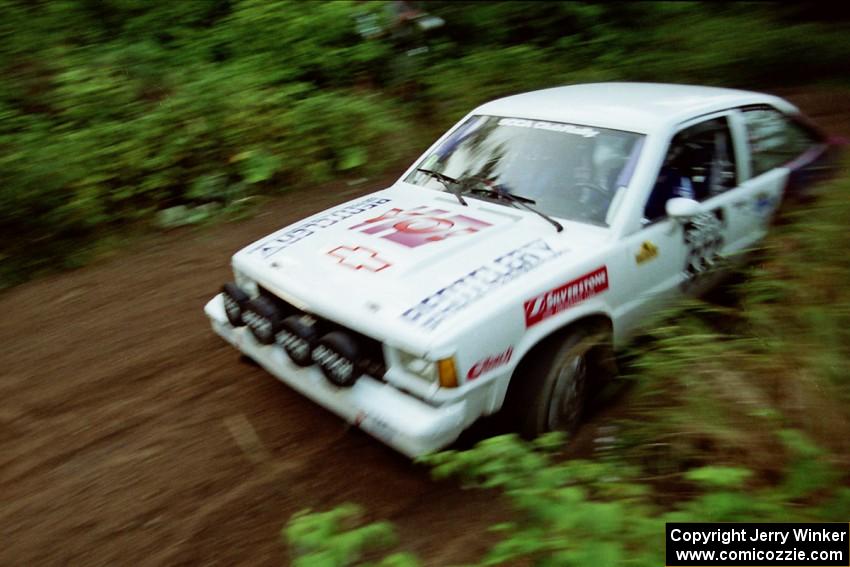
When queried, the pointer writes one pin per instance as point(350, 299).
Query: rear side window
point(774, 139)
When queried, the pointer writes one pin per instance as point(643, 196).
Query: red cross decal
point(359, 258)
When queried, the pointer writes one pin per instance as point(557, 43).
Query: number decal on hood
point(419, 226)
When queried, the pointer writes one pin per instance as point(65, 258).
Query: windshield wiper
point(455, 187)
point(517, 200)
point(451, 184)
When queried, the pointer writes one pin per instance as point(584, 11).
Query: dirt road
point(133, 435)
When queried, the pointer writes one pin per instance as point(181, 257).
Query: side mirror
point(680, 208)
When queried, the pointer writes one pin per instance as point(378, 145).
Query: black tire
point(549, 390)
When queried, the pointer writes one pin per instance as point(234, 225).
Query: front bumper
point(401, 421)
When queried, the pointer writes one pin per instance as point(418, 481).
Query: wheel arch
point(595, 319)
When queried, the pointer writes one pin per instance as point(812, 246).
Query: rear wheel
point(549, 390)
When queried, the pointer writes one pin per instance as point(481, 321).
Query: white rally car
point(499, 269)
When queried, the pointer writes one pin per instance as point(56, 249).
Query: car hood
point(374, 263)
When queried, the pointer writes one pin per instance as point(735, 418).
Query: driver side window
point(699, 164)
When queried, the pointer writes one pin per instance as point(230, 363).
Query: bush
point(334, 538)
point(580, 512)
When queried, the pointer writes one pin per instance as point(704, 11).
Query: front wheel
point(549, 390)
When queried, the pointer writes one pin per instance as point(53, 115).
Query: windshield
point(570, 171)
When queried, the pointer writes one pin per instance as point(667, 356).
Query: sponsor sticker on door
point(561, 298)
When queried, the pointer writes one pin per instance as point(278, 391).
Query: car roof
point(635, 107)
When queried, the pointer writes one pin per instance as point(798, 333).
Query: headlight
point(442, 371)
point(425, 369)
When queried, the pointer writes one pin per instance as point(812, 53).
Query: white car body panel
point(493, 280)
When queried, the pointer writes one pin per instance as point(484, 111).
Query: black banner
point(760, 545)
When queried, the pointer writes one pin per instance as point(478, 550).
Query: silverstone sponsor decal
point(432, 310)
point(490, 363)
point(419, 226)
point(703, 235)
point(303, 230)
point(551, 126)
point(572, 293)
point(359, 258)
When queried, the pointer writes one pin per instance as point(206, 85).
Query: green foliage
point(164, 113)
point(582, 512)
point(334, 539)
point(568, 513)
point(719, 477)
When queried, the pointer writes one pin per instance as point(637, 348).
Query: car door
point(667, 257)
point(772, 143)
